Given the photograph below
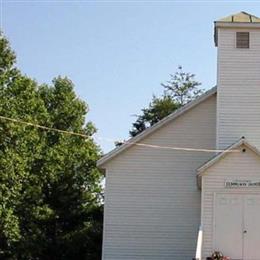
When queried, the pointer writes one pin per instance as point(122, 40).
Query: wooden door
point(228, 225)
point(251, 231)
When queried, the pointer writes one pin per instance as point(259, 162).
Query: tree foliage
point(182, 87)
point(178, 91)
point(49, 184)
point(158, 108)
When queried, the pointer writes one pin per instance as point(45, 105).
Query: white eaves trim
point(107, 157)
point(242, 141)
point(223, 24)
point(202, 170)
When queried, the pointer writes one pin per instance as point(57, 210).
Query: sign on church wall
point(242, 183)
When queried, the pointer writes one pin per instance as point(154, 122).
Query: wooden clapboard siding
point(152, 203)
point(238, 88)
point(234, 166)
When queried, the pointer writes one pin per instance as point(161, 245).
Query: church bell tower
point(237, 38)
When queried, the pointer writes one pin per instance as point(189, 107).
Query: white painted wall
point(238, 81)
point(241, 166)
point(152, 203)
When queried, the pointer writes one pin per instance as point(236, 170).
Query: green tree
point(50, 193)
point(182, 87)
point(178, 91)
point(158, 108)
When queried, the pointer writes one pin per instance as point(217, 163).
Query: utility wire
point(43, 127)
point(46, 128)
point(184, 148)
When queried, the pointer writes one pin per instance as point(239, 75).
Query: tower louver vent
point(243, 40)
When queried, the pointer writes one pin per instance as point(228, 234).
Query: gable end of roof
point(219, 156)
point(109, 156)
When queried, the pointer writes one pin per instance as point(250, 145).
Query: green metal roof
point(241, 17)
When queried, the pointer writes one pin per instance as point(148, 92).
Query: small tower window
point(243, 40)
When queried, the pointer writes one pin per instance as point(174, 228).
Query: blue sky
point(116, 52)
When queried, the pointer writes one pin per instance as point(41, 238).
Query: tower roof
point(242, 17)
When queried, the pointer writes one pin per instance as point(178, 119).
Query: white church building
point(170, 204)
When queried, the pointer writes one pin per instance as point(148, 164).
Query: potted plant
point(218, 256)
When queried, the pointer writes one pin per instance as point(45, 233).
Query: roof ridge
point(249, 14)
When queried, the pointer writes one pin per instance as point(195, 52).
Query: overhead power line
point(18, 121)
point(46, 128)
point(184, 148)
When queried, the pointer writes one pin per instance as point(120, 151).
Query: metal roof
point(242, 17)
